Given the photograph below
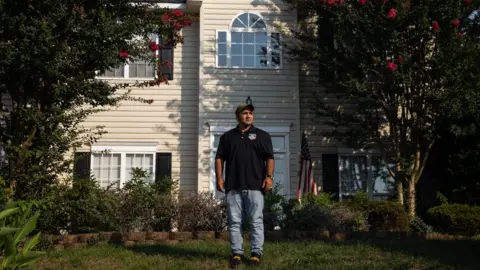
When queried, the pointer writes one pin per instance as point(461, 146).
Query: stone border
point(130, 239)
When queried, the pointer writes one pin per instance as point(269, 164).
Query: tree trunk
point(411, 199)
point(399, 187)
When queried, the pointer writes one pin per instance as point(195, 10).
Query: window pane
point(253, 19)
point(275, 41)
point(248, 37)
point(261, 37)
point(216, 140)
point(237, 49)
point(275, 59)
point(261, 49)
point(244, 19)
point(259, 24)
point(237, 61)
point(222, 49)
point(222, 60)
point(222, 37)
point(353, 173)
point(142, 161)
point(236, 37)
point(107, 169)
point(261, 61)
point(382, 181)
point(249, 61)
point(248, 49)
point(114, 73)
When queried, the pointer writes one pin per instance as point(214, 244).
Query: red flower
point(124, 54)
point(435, 26)
point(391, 66)
point(385, 1)
point(331, 3)
point(323, 1)
point(149, 101)
point(468, 2)
point(455, 23)
point(166, 18)
point(177, 13)
point(460, 35)
point(154, 46)
point(362, 2)
point(399, 59)
point(167, 64)
point(340, 2)
point(392, 13)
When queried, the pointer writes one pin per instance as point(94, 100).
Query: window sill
point(250, 68)
point(124, 79)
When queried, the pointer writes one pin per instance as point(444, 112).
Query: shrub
point(460, 219)
point(201, 212)
point(321, 213)
point(273, 215)
point(382, 215)
point(82, 207)
point(418, 225)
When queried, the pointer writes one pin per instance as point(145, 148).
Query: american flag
point(306, 182)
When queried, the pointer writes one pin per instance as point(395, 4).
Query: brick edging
point(129, 239)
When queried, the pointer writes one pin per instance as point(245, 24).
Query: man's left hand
point(267, 184)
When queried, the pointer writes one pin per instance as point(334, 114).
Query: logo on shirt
point(252, 136)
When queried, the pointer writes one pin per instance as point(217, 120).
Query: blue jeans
point(250, 201)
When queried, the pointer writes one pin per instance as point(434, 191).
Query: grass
point(392, 255)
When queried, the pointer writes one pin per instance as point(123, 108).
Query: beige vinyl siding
point(171, 120)
point(317, 143)
point(274, 92)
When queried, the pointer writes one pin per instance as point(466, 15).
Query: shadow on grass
point(460, 254)
point(177, 251)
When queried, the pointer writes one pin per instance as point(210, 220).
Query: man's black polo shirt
point(245, 155)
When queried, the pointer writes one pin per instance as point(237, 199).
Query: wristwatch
point(270, 176)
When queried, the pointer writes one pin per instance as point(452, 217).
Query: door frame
point(280, 129)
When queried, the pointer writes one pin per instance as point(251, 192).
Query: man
point(247, 152)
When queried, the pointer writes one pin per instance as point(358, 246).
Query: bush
point(321, 213)
point(82, 208)
point(459, 219)
point(418, 225)
point(273, 215)
point(201, 212)
point(382, 215)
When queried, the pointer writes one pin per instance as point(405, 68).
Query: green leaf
point(7, 230)
point(28, 258)
point(8, 212)
point(31, 243)
point(27, 228)
point(9, 251)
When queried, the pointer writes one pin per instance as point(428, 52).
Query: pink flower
point(178, 13)
point(392, 13)
point(435, 26)
point(391, 66)
point(455, 23)
point(331, 3)
point(468, 2)
point(460, 35)
point(362, 2)
point(154, 46)
point(124, 54)
point(399, 59)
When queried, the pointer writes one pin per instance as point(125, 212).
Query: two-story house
point(230, 54)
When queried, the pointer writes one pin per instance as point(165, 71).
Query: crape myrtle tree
point(396, 70)
point(50, 54)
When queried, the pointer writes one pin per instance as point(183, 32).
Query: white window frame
point(123, 150)
point(217, 129)
point(345, 152)
point(126, 69)
point(231, 29)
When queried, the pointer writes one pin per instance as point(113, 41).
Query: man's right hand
point(221, 185)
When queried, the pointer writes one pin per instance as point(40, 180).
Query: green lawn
point(391, 255)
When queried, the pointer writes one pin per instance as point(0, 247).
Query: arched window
point(248, 43)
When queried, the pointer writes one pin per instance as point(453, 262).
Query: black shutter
point(330, 174)
point(163, 166)
point(81, 166)
point(166, 54)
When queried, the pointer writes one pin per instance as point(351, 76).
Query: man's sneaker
point(255, 260)
point(235, 260)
